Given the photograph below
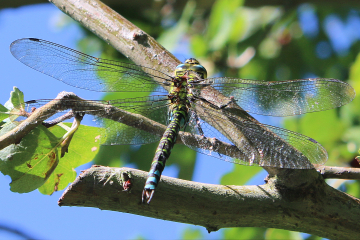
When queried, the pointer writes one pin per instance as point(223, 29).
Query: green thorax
point(185, 74)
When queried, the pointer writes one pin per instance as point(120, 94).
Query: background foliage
point(265, 42)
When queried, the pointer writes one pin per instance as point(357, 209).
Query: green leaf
point(3, 113)
point(240, 175)
point(34, 162)
point(170, 38)
point(31, 162)
point(184, 158)
point(191, 233)
point(355, 74)
point(239, 25)
point(353, 188)
point(111, 155)
point(181, 155)
point(16, 99)
point(352, 134)
point(244, 233)
point(313, 237)
point(255, 69)
point(221, 22)
point(82, 149)
point(325, 127)
point(198, 46)
point(272, 233)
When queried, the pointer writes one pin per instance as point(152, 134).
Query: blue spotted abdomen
point(163, 151)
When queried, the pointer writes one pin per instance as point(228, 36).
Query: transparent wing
point(136, 129)
point(249, 142)
point(129, 119)
point(83, 71)
point(284, 98)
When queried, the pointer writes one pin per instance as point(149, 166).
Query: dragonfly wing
point(284, 98)
point(123, 121)
point(136, 129)
point(248, 142)
point(83, 71)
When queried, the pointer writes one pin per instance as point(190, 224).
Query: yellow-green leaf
point(82, 149)
point(31, 162)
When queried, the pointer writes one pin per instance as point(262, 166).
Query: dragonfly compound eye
point(199, 69)
point(193, 65)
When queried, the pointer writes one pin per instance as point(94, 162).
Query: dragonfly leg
point(196, 122)
point(201, 132)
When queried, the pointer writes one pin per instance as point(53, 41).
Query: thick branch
point(144, 50)
point(317, 208)
point(114, 29)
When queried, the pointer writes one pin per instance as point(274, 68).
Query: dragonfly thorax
point(185, 74)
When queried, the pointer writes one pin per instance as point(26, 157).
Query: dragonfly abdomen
point(163, 151)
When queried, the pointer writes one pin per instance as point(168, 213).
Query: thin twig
point(339, 172)
point(67, 100)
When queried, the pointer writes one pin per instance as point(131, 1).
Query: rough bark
point(314, 207)
point(124, 36)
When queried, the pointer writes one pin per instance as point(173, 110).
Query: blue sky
point(39, 215)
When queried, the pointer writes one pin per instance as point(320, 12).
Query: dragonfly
point(212, 110)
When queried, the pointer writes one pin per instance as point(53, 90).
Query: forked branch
point(70, 101)
point(317, 208)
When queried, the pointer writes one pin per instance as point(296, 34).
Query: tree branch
point(70, 101)
point(124, 36)
point(144, 50)
point(315, 208)
point(339, 172)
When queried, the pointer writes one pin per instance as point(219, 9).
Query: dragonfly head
point(192, 64)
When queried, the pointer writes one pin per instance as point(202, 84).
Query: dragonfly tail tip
point(147, 195)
